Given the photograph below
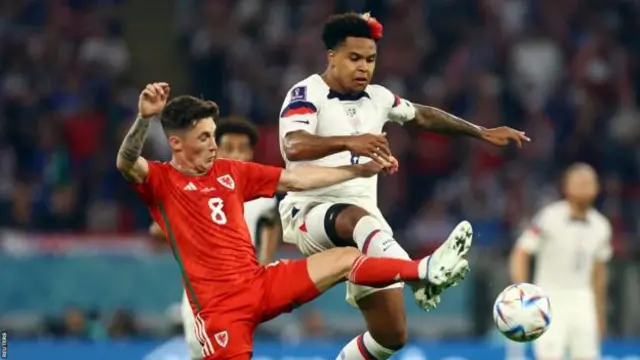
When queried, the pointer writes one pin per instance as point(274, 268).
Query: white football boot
point(444, 268)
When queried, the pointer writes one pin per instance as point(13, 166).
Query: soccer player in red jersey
point(236, 139)
point(197, 200)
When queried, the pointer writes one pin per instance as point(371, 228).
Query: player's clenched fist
point(153, 99)
point(375, 147)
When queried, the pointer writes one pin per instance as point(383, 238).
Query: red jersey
point(203, 219)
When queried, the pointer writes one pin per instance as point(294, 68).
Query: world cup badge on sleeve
point(299, 93)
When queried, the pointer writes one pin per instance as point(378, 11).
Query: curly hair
point(183, 112)
point(339, 27)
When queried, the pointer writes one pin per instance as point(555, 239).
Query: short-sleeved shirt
point(566, 248)
point(203, 219)
point(312, 106)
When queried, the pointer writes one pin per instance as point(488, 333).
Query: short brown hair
point(184, 111)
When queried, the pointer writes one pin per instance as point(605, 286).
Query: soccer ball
point(522, 312)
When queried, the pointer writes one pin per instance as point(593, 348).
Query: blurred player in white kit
point(236, 139)
point(571, 242)
point(336, 119)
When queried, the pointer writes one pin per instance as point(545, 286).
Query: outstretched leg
point(330, 225)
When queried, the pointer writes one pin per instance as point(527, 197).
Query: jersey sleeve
point(299, 111)
point(150, 189)
point(398, 110)
point(604, 251)
point(530, 239)
point(259, 180)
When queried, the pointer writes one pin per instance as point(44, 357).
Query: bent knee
point(331, 266)
point(343, 259)
point(346, 220)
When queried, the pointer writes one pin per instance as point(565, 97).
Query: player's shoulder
point(381, 94)
point(551, 211)
point(599, 219)
point(234, 166)
point(222, 165)
point(377, 90)
point(311, 89)
point(556, 208)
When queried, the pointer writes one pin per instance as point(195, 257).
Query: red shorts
point(278, 288)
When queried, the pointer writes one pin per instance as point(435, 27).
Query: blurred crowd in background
point(564, 71)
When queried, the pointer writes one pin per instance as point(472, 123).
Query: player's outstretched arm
point(129, 162)
point(314, 177)
point(436, 120)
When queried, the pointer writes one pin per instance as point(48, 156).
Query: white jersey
point(311, 106)
point(566, 248)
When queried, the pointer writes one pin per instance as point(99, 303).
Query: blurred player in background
point(198, 201)
point(236, 139)
point(336, 119)
point(571, 242)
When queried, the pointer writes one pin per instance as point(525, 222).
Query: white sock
point(375, 242)
point(364, 347)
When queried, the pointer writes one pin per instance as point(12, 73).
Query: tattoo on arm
point(436, 120)
point(133, 142)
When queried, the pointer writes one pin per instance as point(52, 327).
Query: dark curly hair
point(237, 126)
point(339, 27)
point(183, 112)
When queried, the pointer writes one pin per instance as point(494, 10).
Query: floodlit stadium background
point(75, 261)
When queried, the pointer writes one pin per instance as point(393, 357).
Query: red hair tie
point(374, 26)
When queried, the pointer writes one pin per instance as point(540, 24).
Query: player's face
point(197, 146)
point(235, 147)
point(353, 63)
point(582, 186)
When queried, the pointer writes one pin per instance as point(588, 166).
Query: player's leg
point(553, 343)
point(584, 343)
point(193, 344)
point(380, 305)
point(228, 334)
point(383, 309)
point(290, 283)
point(329, 225)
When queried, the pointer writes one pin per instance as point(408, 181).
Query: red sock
point(381, 272)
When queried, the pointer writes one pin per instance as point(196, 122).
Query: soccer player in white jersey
point(335, 119)
point(571, 242)
point(236, 139)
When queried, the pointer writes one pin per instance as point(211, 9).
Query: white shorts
point(573, 328)
point(188, 322)
point(303, 224)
